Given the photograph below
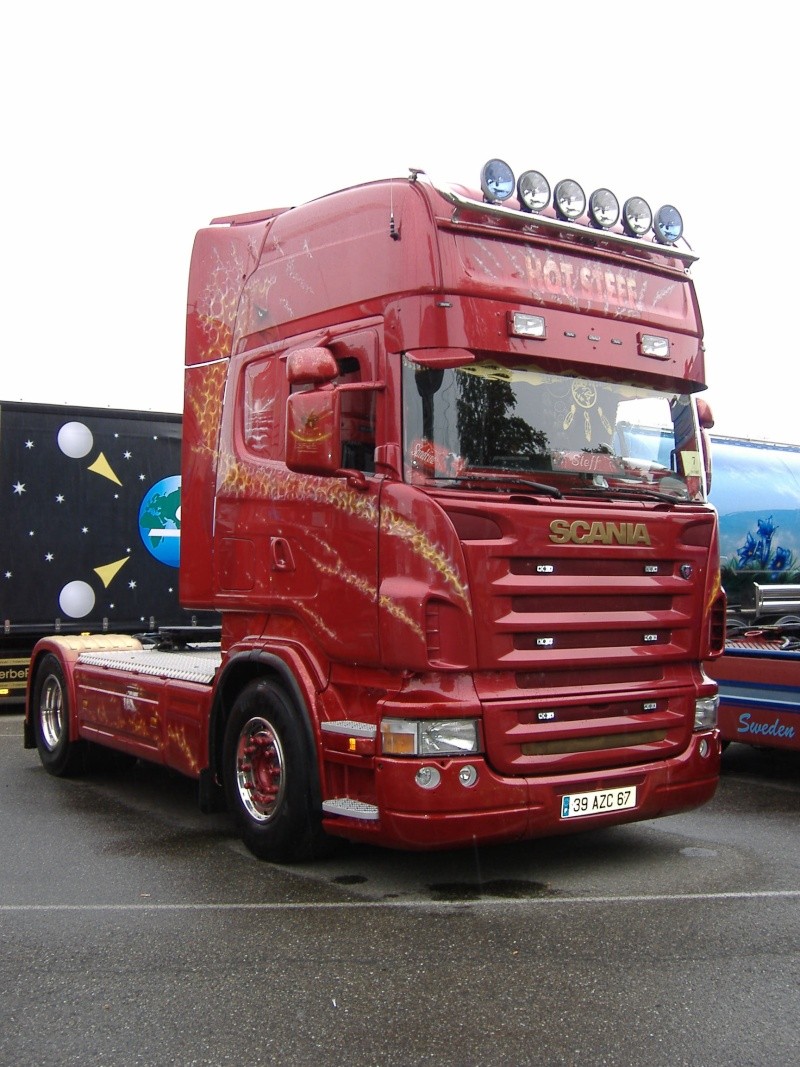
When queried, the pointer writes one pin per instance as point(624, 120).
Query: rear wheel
point(268, 771)
point(58, 754)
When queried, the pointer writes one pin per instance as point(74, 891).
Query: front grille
point(585, 650)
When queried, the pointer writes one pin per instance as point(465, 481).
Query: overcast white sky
point(128, 127)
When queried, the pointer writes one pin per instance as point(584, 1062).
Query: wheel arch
point(66, 656)
point(242, 669)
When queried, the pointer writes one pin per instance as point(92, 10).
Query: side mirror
point(311, 366)
point(705, 417)
point(313, 432)
point(705, 414)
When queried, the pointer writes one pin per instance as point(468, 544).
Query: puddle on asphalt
point(497, 889)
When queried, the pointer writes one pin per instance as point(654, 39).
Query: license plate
point(597, 802)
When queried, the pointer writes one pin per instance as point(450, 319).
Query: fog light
point(427, 777)
point(703, 746)
point(468, 776)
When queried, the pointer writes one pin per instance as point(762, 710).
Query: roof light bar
point(568, 202)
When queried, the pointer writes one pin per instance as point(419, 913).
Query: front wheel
point(58, 754)
point(268, 773)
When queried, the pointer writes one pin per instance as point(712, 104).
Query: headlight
point(705, 713)
point(429, 737)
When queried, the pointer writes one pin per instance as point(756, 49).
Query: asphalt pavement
point(137, 931)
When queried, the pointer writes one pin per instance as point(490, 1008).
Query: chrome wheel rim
point(260, 769)
point(51, 712)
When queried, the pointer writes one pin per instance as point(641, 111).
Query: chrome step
point(352, 809)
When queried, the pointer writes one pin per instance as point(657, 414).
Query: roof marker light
point(637, 218)
point(533, 190)
point(497, 181)
point(569, 199)
point(668, 225)
point(603, 209)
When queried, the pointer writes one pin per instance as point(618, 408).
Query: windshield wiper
point(641, 492)
point(506, 479)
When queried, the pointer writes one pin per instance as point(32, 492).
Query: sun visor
point(441, 357)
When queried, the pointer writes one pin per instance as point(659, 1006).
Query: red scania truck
point(443, 479)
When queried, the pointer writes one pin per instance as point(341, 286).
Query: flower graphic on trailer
point(160, 521)
point(757, 551)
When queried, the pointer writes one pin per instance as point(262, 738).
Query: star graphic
point(84, 529)
point(131, 585)
point(49, 557)
point(8, 574)
point(29, 444)
point(127, 455)
point(19, 488)
point(60, 498)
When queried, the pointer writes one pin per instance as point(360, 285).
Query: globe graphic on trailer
point(160, 521)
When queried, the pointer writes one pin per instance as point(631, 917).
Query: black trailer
point(89, 527)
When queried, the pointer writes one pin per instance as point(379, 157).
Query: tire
point(268, 772)
point(60, 756)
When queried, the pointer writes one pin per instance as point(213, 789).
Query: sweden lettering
point(766, 729)
point(583, 532)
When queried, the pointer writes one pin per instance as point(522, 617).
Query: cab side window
point(264, 399)
point(358, 419)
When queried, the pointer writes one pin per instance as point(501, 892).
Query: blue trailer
point(755, 487)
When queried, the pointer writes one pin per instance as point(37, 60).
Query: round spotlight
point(533, 190)
point(668, 225)
point(603, 209)
point(497, 181)
point(569, 200)
point(637, 218)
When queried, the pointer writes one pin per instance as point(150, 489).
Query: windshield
point(516, 424)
